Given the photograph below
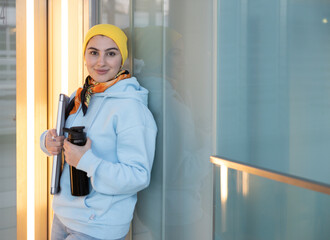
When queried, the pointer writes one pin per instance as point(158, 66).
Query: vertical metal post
point(94, 12)
point(131, 37)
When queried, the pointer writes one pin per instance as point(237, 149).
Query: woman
point(119, 151)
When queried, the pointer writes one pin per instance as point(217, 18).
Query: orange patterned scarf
point(83, 95)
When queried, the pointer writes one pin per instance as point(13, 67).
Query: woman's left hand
point(73, 153)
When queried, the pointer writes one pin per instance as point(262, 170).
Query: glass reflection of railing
point(270, 174)
point(7, 107)
point(252, 203)
point(7, 91)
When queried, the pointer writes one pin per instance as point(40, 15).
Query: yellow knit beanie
point(111, 31)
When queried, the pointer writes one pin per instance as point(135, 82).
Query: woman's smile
point(101, 71)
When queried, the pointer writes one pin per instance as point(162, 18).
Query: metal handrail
point(270, 174)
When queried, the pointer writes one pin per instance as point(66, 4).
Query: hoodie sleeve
point(135, 150)
point(43, 143)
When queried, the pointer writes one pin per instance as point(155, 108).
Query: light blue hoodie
point(123, 134)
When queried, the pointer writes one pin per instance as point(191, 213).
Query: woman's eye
point(111, 54)
point(93, 52)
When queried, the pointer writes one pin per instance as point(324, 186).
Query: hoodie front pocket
point(98, 202)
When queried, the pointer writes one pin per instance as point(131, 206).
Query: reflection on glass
point(245, 184)
point(223, 195)
point(7, 119)
point(271, 210)
point(274, 91)
point(111, 11)
point(224, 184)
point(177, 73)
point(174, 63)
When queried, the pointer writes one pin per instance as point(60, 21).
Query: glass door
point(170, 53)
point(8, 119)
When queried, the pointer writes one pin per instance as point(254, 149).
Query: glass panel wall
point(248, 207)
point(274, 91)
point(171, 55)
point(7, 119)
point(273, 112)
point(115, 12)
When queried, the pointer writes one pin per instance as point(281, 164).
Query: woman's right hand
point(54, 143)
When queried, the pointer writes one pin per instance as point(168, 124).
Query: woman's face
point(102, 58)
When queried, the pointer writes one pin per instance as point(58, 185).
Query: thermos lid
point(75, 132)
point(77, 129)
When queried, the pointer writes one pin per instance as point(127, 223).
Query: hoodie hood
point(126, 88)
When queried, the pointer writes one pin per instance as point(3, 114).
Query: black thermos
point(78, 179)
